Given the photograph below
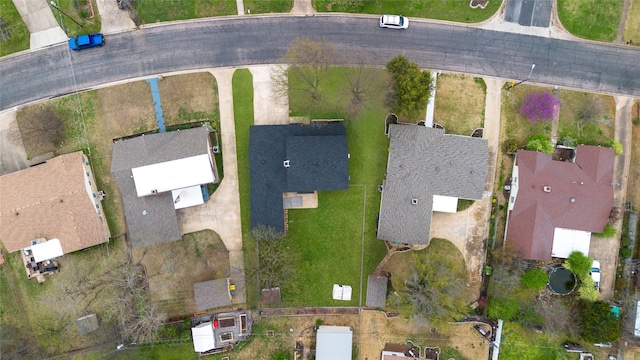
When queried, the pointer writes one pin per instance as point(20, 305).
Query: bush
point(616, 146)
point(534, 279)
point(540, 142)
point(579, 264)
point(609, 231)
point(542, 106)
point(568, 141)
point(597, 322)
point(587, 290)
point(636, 121)
point(625, 253)
point(510, 146)
point(319, 322)
point(625, 241)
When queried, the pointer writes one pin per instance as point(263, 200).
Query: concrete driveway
point(39, 19)
point(112, 18)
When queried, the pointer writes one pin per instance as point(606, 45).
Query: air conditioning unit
point(216, 150)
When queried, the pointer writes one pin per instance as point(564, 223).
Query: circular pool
point(562, 281)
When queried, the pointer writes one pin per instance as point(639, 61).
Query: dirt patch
point(377, 330)
point(189, 98)
point(173, 268)
point(633, 190)
point(459, 103)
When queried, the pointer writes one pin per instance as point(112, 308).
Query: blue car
point(82, 42)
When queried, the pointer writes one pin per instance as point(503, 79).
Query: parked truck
point(87, 41)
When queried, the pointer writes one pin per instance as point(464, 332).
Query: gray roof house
point(212, 294)
point(293, 158)
point(427, 171)
point(156, 175)
point(334, 343)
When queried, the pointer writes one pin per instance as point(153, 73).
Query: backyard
point(334, 235)
point(90, 120)
point(442, 10)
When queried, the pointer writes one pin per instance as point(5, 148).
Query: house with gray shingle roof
point(554, 206)
point(293, 158)
point(427, 171)
point(156, 175)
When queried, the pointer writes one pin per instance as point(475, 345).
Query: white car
point(394, 21)
point(595, 273)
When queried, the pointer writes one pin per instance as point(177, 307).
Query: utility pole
point(533, 66)
point(63, 13)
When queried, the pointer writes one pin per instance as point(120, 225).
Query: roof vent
point(414, 201)
point(287, 163)
point(144, 212)
point(573, 200)
point(547, 189)
point(154, 191)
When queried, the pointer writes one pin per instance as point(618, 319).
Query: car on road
point(394, 21)
point(86, 41)
point(595, 273)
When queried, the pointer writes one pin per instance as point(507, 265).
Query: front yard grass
point(591, 19)
point(152, 11)
point(83, 11)
point(431, 9)
point(459, 103)
point(596, 132)
point(189, 98)
point(19, 35)
point(632, 25)
point(268, 6)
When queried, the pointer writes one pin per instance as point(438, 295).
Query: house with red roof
point(554, 206)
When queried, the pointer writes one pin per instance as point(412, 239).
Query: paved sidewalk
point(303, 7)
point(469, 229)
point(112, 18)
point(39, 19)
point(240, 7)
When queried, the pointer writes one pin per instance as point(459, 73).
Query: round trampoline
point(562, 281)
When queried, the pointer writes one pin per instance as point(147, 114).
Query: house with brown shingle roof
point(54, 200)
point(554, 206)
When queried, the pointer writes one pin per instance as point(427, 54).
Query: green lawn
point(151, 11)
point(519, 343)
point(83, 12)
point(267, 6)
point(18, 32)
point(457, 10)
point(591, 19)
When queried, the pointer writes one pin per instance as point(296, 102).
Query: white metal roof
point(47, 250)
point(187, 197)
point(447, 204)
point(566, 241)
point(334, 343)
point(172, 175)
point(341, 292)
point(636, 327)
point(203, 338)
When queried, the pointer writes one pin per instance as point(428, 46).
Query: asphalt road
point(244, 41)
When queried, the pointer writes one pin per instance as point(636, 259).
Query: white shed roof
point(203, 338)
point(636, 327)
point(187, 197)
point(447, 204)
point(47, 250)
point(566, 241)
point(334, 343)
point(172, 175)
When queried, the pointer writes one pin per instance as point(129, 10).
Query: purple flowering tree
point(540, 106)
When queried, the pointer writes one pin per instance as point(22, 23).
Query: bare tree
point(41, 125)
point(360, 79)
point(17, 345)
point(273, 267)
point(305, 66)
